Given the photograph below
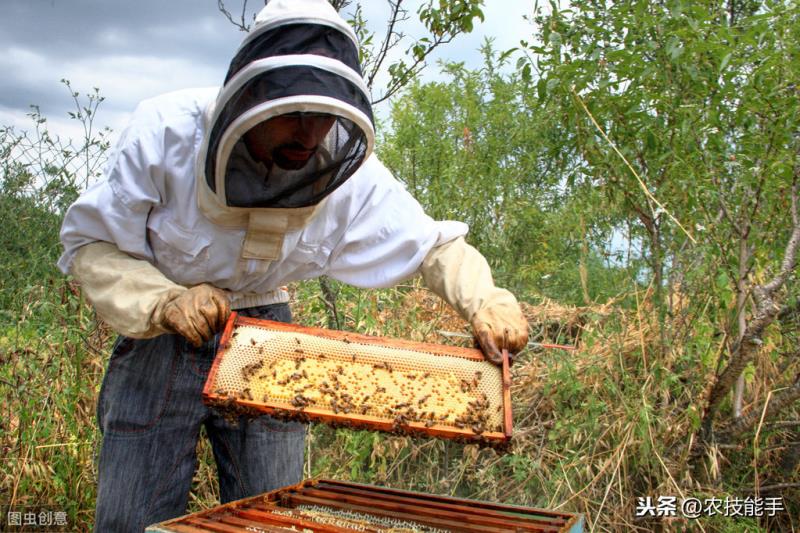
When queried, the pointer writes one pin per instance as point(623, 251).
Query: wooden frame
point(258, 513)
point(358, 421)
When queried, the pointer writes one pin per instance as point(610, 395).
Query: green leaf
point(725, 61)
point(650, 140)
point(541, 88)
point(526, 73)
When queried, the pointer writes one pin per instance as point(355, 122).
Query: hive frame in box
point(212, 396)
point(326, 506)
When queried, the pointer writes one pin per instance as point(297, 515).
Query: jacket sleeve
point(104, 233)
point(128, 293)
point(460, 275)
point(388, 235)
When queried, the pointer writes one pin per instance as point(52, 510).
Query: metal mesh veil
point(294, 69)
point(250, 183)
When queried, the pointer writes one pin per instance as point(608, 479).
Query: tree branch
point(779, 401)
point(387, 44)
point(241, 24)
point(790, 255)
point(413, 70)
point(767, 311)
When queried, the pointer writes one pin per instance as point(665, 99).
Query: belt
point(243, 300)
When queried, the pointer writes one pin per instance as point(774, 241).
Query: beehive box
point(325, 506)
point(361, 381)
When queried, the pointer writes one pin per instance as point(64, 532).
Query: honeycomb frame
point(427, 389)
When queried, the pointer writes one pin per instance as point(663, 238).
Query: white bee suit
point(185, 204)
point(370, 232)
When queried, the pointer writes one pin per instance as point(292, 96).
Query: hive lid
point(369, 382)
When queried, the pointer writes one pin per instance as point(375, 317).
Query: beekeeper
point(214, 200)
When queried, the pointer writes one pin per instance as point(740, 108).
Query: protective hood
point(291, 123)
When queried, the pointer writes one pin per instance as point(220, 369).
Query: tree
point(684, 115)
point(480, 148)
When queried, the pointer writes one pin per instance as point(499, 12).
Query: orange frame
point(493, 438)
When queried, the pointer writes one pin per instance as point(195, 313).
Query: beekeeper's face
point(290, 140)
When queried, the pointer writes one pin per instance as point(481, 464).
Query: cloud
point(134, 50)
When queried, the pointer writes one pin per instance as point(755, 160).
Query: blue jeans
point(150, 412)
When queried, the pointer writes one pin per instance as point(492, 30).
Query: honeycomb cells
point(298, 371)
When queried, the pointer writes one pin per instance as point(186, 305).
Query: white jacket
point(370, 232)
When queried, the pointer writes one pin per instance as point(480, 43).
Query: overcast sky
point(135, 50)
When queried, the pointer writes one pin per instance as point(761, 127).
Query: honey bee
point(252, 341)
point(297, 340)
point(300, 401)
point(227, 402)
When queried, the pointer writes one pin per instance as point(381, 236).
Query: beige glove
point(499, 327)
point(133, 296)
point(460, 275)
point(197, 314)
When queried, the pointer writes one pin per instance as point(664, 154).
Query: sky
point(136, 50)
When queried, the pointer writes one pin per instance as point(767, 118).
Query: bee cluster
point(349, 385)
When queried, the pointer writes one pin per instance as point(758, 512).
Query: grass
point(594, 428)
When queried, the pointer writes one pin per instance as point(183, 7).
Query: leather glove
point(196, 314)
point(498, 327)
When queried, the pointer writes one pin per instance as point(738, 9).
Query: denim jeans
point(150, 412)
